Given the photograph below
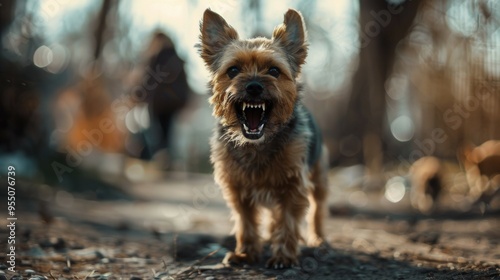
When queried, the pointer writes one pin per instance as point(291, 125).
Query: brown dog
point(426, 183)
point(266, 150)
point(482, 169)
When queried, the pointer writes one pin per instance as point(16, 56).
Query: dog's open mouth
point(253, 117)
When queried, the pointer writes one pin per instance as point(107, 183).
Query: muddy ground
point(177, 228)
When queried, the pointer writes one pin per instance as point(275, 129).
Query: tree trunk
point(382, 26)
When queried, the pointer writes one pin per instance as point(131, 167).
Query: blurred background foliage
point(113, 92)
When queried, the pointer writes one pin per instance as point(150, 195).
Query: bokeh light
point(43, 56)
point(395, 189)
point(402, 128)
point(135, 172)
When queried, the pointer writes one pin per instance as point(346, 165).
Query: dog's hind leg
point(317, 199)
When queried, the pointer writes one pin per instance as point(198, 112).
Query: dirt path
point(178, 230)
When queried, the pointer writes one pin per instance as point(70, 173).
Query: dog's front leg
point(248, 246)
point(285, 229)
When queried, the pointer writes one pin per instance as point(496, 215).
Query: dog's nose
point(254, 88)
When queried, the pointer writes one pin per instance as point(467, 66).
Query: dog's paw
point(232, 258)
point(315, 241)
point(280, 262)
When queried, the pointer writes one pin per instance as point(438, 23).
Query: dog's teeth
point(244, 106)
point(263, 106)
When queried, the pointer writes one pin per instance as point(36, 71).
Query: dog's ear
point(216, 34)
point(291, 35)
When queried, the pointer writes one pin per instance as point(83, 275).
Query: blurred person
point(165, 83)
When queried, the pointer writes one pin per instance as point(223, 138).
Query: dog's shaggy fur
point(266, 150)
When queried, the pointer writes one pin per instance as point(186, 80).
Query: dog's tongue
point(253, 118)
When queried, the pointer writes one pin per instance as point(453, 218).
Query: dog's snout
point(254, 88)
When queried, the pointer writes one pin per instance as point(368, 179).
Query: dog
point(266, 150)
point(482, 169)
point(427, 176)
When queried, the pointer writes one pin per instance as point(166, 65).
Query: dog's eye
point(233, 71)
point(274, 71)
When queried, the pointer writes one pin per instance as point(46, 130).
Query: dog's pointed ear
point(216, 34)
point(291, 35)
